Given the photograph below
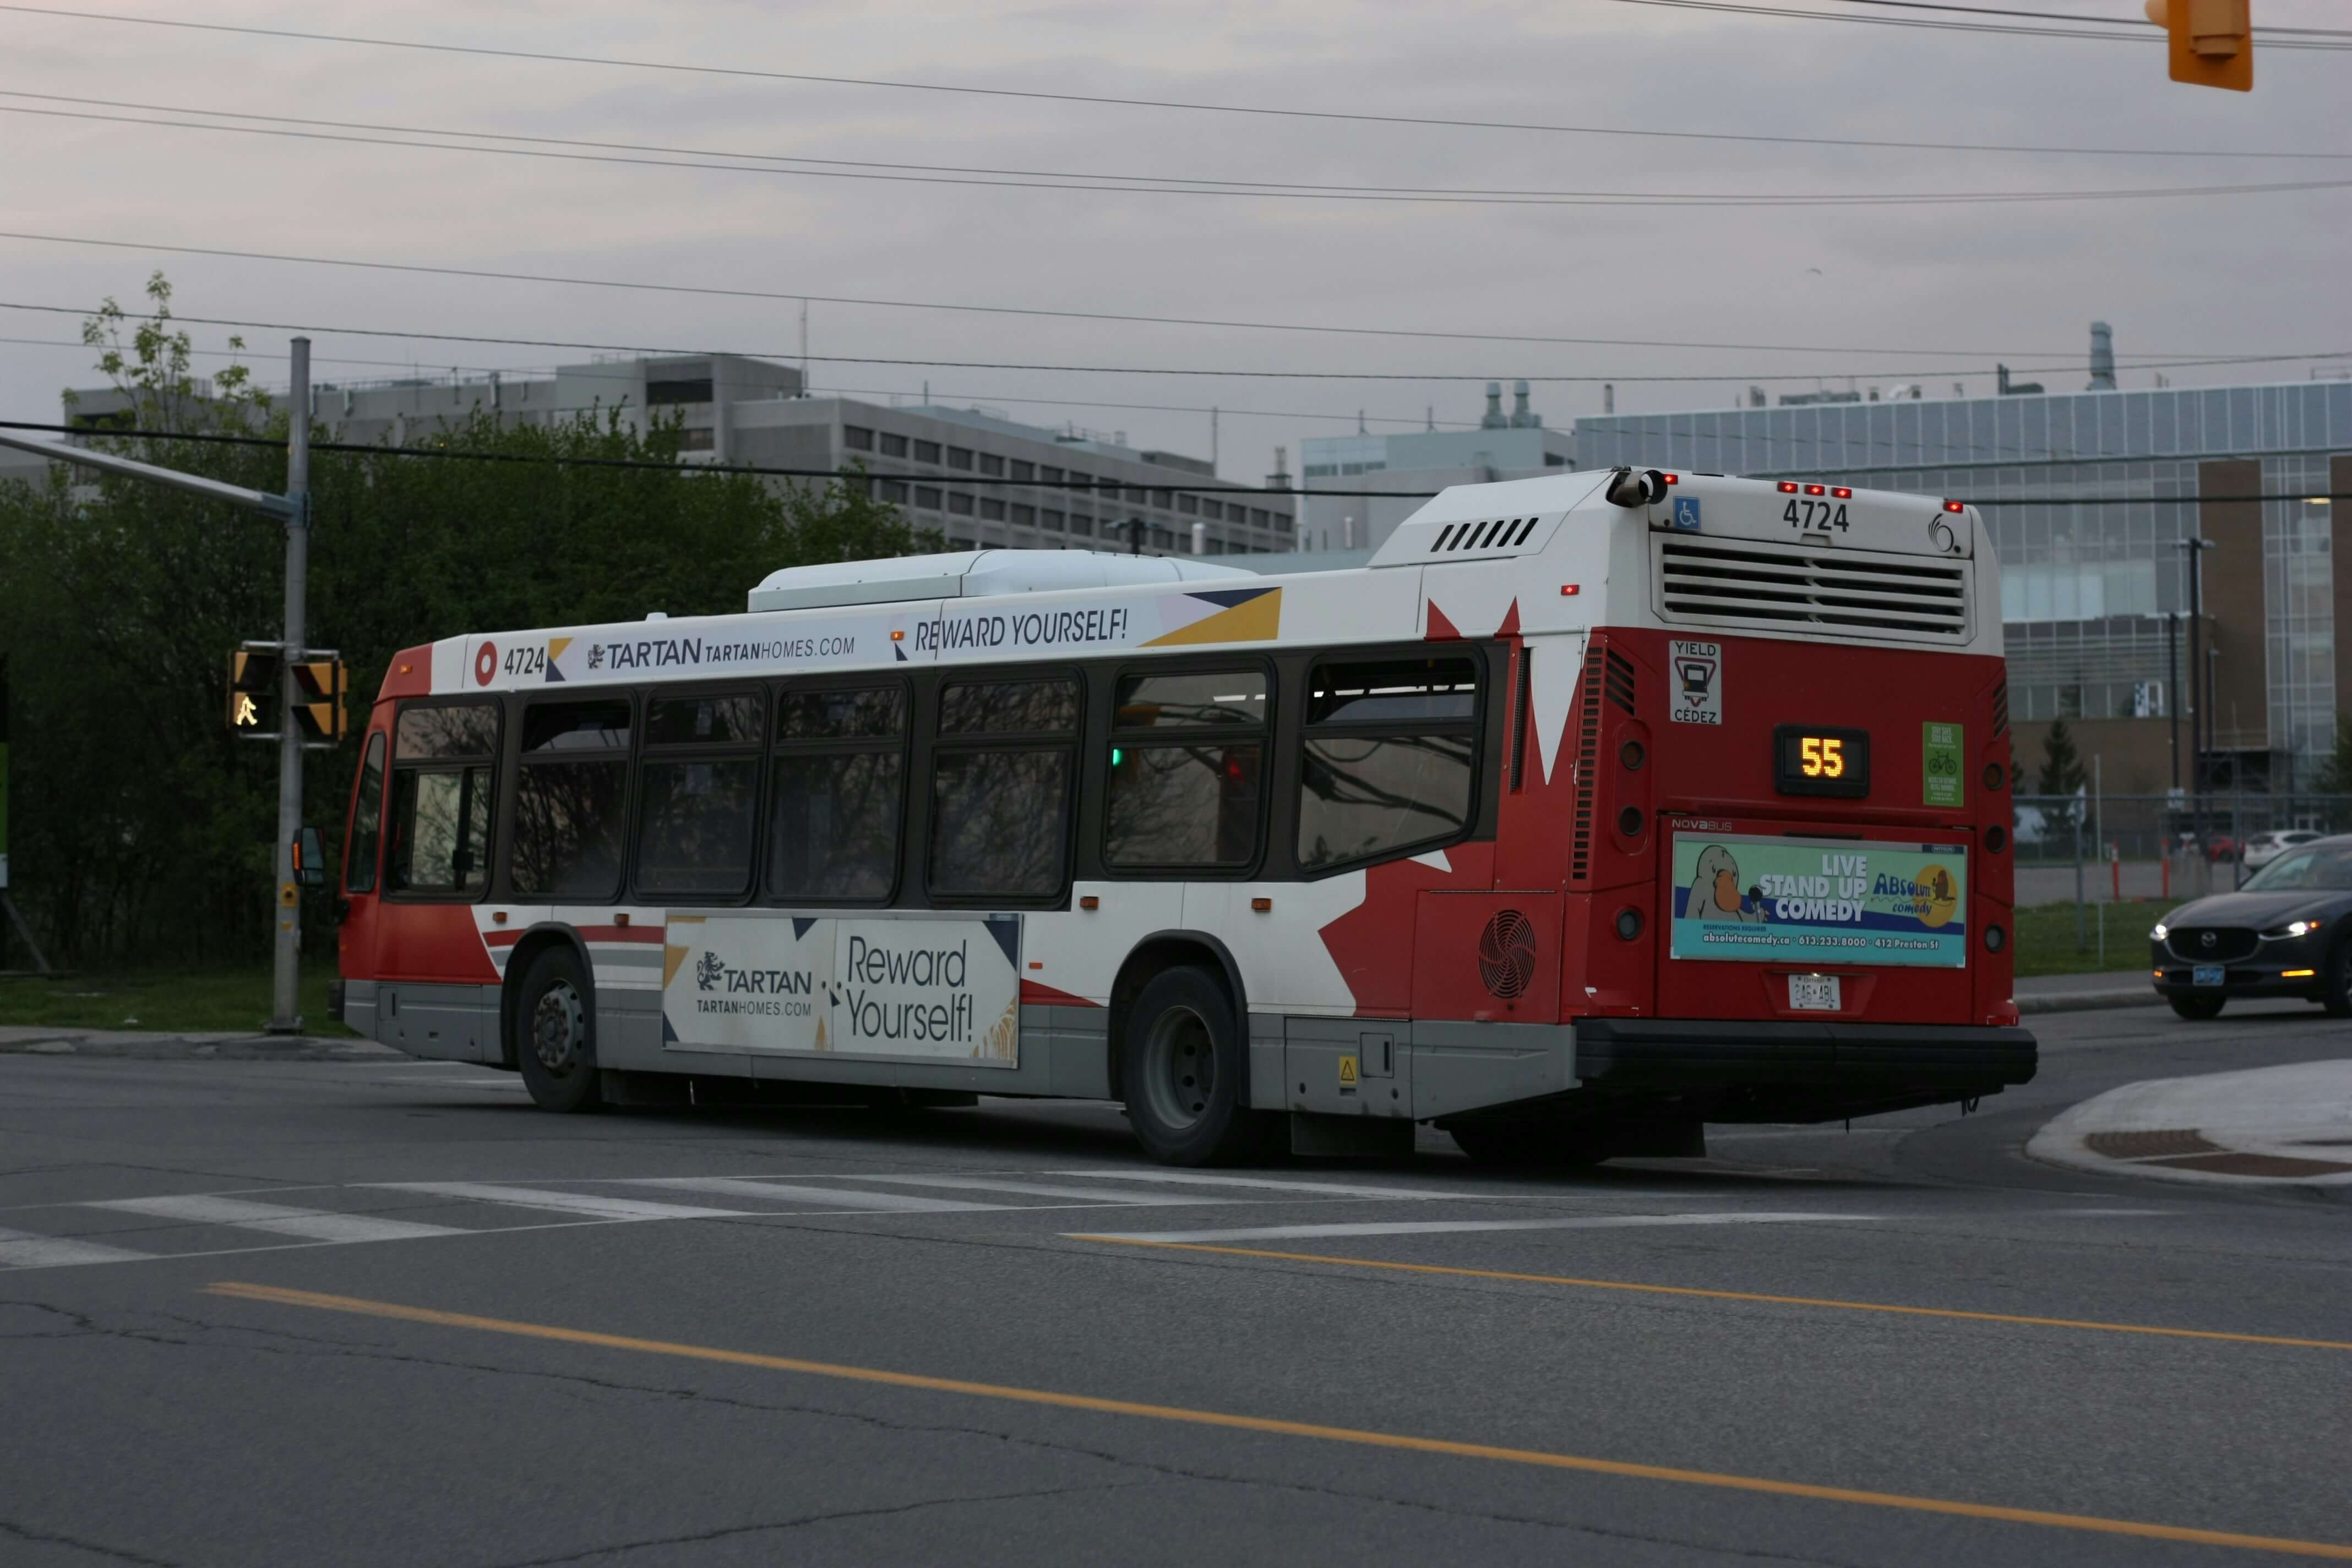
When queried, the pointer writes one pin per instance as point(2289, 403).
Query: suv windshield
point(2324, 867)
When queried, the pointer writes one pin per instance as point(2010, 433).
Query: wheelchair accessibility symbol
point(1686, 513)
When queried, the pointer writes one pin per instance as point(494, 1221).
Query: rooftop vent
point(1417, 543)
point(1905, 598)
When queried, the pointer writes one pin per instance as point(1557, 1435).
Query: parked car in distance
point(2262, 848)
point(2287, 932)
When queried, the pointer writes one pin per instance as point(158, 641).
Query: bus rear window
point(1409, 691)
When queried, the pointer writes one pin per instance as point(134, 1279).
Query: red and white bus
point(1594, 808)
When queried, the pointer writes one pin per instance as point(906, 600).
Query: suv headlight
point(2158, 934)
point(2293, 929)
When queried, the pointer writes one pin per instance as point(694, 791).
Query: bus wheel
point(1528, 1145)
point(556, 1020)
point(1181, 1066)
point(2198, 1007)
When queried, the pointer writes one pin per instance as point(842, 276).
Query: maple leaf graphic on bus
point(707, 972)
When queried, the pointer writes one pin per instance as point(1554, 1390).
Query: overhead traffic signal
point(253, 692)
point(319, 683)
point(2211, 41)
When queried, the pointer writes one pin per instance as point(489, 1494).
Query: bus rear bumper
point(1772, 1070)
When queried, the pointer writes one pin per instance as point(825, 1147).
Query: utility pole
point(285, 1001)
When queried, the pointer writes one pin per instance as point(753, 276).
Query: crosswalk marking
point(588, 1206)
point(1199, 1179)
point(21, 1250)
point(278, 1219)
point(875, 1203)
point(1425, 1228)
point(1053, 1190)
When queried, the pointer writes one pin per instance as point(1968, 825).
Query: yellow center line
point(1371, 1439)
point(1641, 1288)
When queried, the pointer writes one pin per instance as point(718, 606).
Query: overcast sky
point(1950, 287)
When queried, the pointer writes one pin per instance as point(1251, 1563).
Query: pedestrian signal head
point(253, 692)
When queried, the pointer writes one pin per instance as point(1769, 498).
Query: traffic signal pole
point(286, 960)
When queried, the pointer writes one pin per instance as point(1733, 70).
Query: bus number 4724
point(1818, 515)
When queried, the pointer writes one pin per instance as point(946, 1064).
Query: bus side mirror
point(309, 860)
point(1632, 488)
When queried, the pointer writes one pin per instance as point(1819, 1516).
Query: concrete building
point(2090, 587)
point(1514, 446)
point(975, 475)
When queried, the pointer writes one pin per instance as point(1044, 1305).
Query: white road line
point(1428, 1227)
point(1055, 1190)
point(871, 1203)
point(2110, 1214)
point(1193, 1178)
point(20, 1249)
point(278, 1219)
point(559, 1203)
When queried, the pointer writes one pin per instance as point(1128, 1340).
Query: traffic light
point(2212, 41)
point(253, 693)
point(320, 712)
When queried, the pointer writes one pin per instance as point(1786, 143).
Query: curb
point(2262, 1127)
point(2087, 1001)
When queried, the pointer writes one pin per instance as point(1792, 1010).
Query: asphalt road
point(261, 1312)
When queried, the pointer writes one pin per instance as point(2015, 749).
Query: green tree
point(2061, 768)
point(143, 828)
point(2335, 776)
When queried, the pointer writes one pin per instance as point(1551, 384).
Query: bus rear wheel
point(1181, 1067)
point(555, 1028)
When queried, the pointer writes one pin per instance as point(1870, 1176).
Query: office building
point(1514, 446)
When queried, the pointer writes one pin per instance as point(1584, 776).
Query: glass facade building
point(2088, 498)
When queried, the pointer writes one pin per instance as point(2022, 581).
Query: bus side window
point(570, 793)
point(367, 822)
point(1391, 751)
point(1000, 788)
point(698, 784)
point(835, 790)
point(441, 783)
point(1187, 754)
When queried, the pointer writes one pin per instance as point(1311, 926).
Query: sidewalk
point(149, 1045)
point(2266, 1126)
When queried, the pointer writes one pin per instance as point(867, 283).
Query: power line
point(2075, 16)
point(1152, 369)
point(1416, 421)
point(460, 455)
point(785, 295)
point(1708, 200)
point(1101, 99)
point(2324, 40)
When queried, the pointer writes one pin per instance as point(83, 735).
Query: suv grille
point(2231, 943)
point(1727, 582)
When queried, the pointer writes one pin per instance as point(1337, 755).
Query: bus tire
point(1528, 1145)
point(555, 1026)
point(2197, 1008)
point(1182, 1065)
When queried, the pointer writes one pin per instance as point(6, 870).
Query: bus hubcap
point(1180, 1068)
point(557, 1027)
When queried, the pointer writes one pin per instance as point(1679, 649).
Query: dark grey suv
point(2282, 934)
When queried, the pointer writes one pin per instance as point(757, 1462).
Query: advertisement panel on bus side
point(1754, 898)
point(944, 987)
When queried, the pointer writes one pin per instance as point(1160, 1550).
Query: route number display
point(1814, 760)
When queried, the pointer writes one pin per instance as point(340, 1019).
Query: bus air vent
point(1620, 680)
point(1588, 758)
point(1736, 582)
point(1417, 542)
point(1506, 954)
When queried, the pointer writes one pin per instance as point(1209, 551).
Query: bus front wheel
point(1181, 1069)
point(555, 1025)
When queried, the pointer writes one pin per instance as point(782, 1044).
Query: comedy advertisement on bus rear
point(1819, 901)
point(932, 989)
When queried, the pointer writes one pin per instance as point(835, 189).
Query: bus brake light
point(1955, 506)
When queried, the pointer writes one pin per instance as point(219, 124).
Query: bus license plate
point(1813, 992)
point(2207, 974)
